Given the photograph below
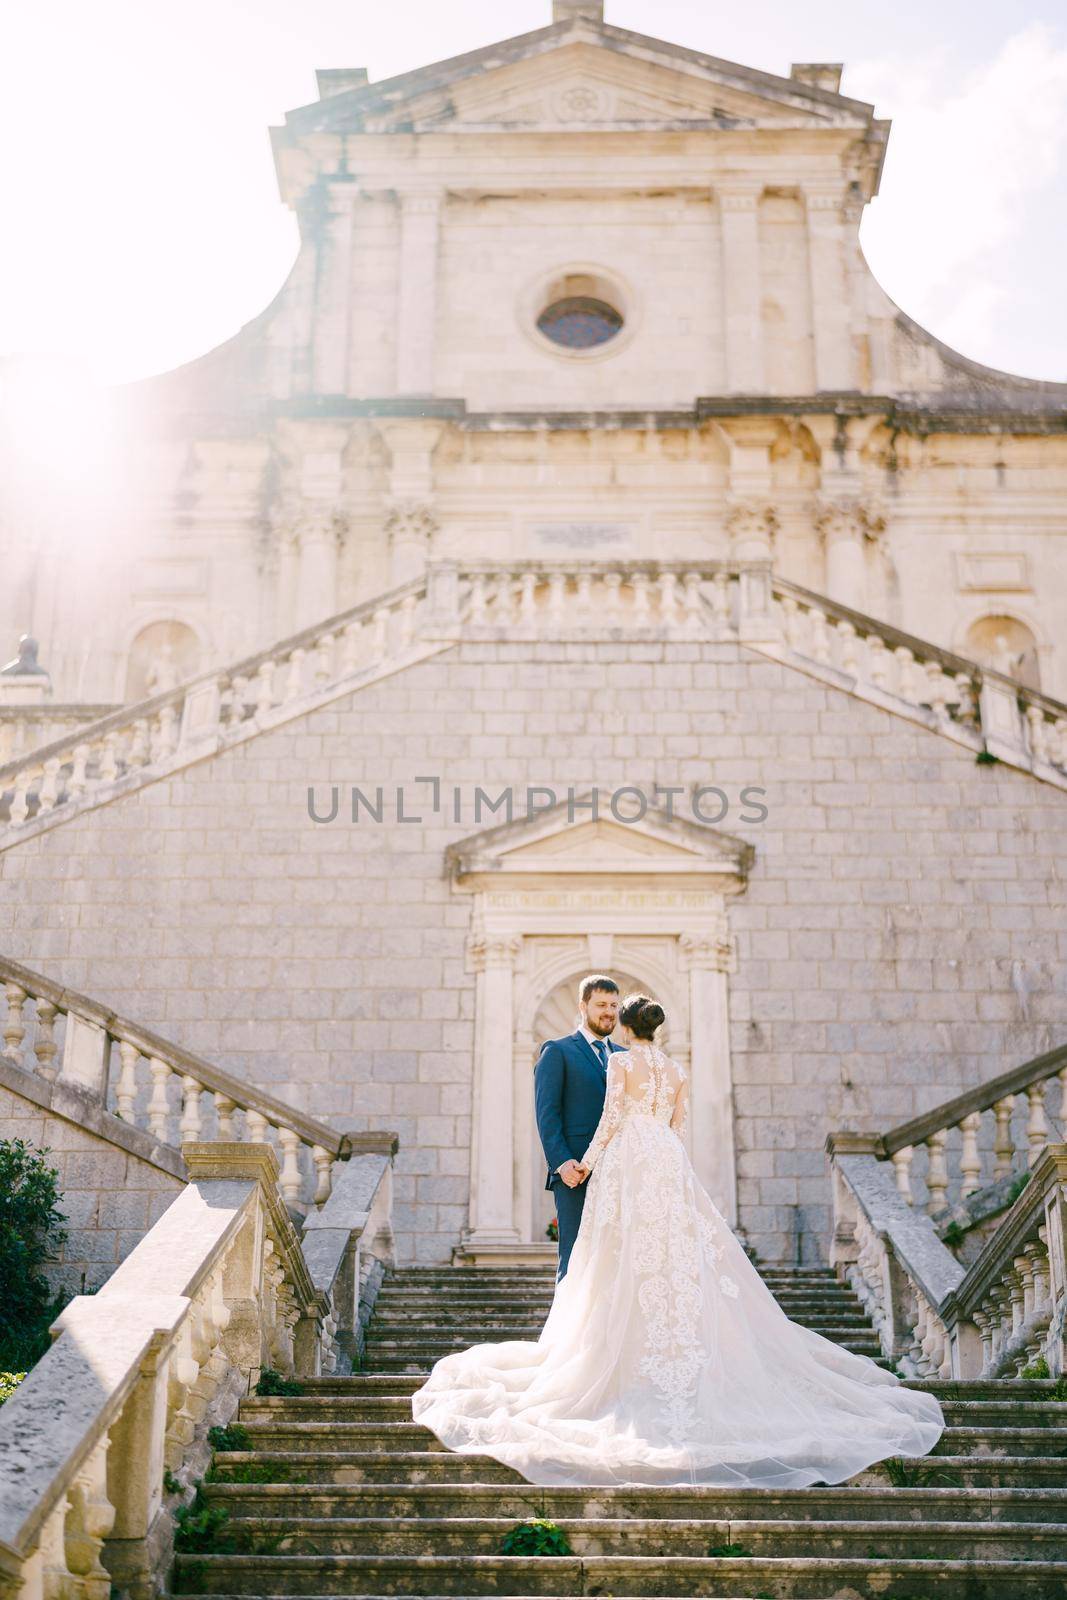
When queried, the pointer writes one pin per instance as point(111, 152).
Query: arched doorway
point(556, 1016)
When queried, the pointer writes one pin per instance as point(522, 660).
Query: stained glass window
point(579, 322)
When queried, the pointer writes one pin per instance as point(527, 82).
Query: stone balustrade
point(982, 1136)
point(148, 740)
point(138, 1374)
point(934, 1317)
point(25, 728)
point(685, 601)
point(157, 1086)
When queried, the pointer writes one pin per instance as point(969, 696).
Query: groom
point(570, 1082)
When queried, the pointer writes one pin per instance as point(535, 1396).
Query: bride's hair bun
point(642, 1014)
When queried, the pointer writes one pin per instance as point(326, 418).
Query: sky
point(144, 224)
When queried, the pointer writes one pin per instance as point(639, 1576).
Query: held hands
point(573, 1173)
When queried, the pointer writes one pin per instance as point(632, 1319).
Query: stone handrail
point(349, 1243)
point(24, 728)
point(139, 1372)
point(736, 599)
point(934, 1317)
point(1021, 1111)
point(975, 705)
point(157, 1085)
point(149, 739)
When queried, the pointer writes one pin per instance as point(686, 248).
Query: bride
point(665, 1359)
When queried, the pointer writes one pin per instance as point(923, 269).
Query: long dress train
point(665, 1359)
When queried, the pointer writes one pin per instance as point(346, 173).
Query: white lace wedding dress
point(665, 1359)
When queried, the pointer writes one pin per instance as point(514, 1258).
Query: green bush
point(9, 1382)
point(1036, 1369)
point(271, 1382)
point(198, 1525)
point(235, 1437)
point(31, 1233)
point(535, 1537)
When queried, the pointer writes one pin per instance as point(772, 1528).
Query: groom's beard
point(602, 1029)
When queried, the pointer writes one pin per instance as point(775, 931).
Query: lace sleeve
point(680, 1114)
point(611, 1117)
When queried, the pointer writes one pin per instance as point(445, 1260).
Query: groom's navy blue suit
point(569, 1088)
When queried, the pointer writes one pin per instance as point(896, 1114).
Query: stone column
point(491, 956)
point(416, 323)
point(409, 527)
point(333, 317)
point(318, 542)
point(751, 524)
point(708, 957)
point(410, 521)
point(742, 317)
point(845, 525)
point(829, 288)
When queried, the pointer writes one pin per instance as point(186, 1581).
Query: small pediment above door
point(553, 848)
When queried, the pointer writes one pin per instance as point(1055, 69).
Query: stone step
point(400, 1468)
point(1023, 1391)
point(797, 1578)
point(270, 1433)
point(364, 1407)
point(667, 1536)
point(864, 1503)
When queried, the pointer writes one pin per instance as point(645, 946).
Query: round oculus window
point(579, 322)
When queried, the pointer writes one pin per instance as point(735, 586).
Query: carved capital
point(751, 522)
point(848, 518)
point(410, 522)
point(712, 951)
point(485, 950)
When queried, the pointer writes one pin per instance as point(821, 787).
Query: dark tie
point(602, 1051)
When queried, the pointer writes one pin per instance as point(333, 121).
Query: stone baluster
point(224, 1110)
point(1038, 733)
point(478, 597)
point(902, 1168)
point(613, 597)
point(263, 688)
point(190, 1126)
point(294, 677)
point(966, 701)
point(970, 1160)
point(878, 660)
point(20, 800)
point(126, 1084)
point(585, 592)
point(528, 597)
point(1025, 1269)
point(1003, 1144)
point(351, 640)
point(14, 1027)
point(44, 1040)
point(668, 598)
point(985, 1334)
point(1058, 753)
point(168, 732)
point(48, 793)
point(1015, 1292)
point(937, 1173)
point(720, 602)
point(379, 647)
point(906, 669)
point(557, 589)
point(1036, 1122)
point(323, 1163)
point(819, 638)
point(256, 1127)
point(324, 659)
point(78, 782)
point(108, 770)
point(158, 1103)
point(290, 1181)
point(694, 608)
point(639, 582)
point(406, 621)
point(848, 647)
point(938, 692)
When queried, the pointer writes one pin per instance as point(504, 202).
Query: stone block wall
point(901, 937)
point(115, 1181)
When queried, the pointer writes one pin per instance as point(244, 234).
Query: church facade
point(653, 595)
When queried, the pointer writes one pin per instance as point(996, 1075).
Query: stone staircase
point(340, 1493)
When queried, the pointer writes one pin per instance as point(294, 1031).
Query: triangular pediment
point(581, 73)
point(557, 844)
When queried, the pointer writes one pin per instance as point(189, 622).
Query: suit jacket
point(569, 1089)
